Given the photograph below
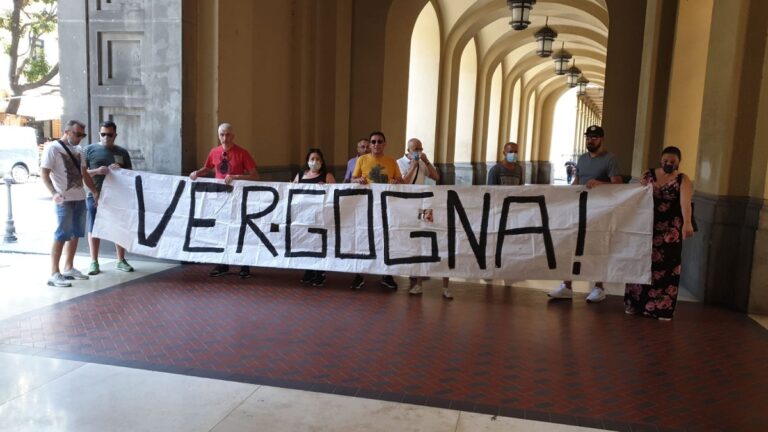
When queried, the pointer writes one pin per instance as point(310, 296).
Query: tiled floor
point(491, 351)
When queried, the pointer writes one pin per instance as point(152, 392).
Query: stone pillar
point(731, 164)
point(622, 77)
point(654, 83)
point(73, 73)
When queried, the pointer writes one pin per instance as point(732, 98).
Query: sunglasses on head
point(106, 134)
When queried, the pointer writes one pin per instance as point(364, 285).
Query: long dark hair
point(323, 171)
point(673, 151)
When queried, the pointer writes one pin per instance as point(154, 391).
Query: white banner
point(500, 232)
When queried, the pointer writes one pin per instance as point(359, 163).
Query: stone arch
point(476, 17)
point(401, 19)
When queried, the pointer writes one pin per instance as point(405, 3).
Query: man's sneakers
point(219, 270)
point(58, 280)
point(122, 265)
point(309, 276)
point(74, 273)
point(94, 268)
point(319, 279)
point(447, 294)
point(596, 295)
point(245, 272)
point(415, 289)
point(358, 282)
point(561, 292)
point(389, 282)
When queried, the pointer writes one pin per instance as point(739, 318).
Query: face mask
point(314, 165)
point(69, 141)
point(416, 155)
point(668, 168)
point(511, 157)
point(103, 140)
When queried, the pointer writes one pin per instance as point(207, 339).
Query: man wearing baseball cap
point(594, 168)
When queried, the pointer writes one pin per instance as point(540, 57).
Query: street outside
point(33, 217)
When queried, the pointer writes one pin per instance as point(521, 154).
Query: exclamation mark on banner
point(581, 237)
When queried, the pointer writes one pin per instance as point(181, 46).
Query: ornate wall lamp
point(562, 58)
point(521, 13)
point(582, 85)
point(573, 75)
point(544, 39)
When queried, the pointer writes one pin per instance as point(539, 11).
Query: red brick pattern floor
point(491, 350)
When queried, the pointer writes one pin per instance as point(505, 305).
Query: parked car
point(19, 155)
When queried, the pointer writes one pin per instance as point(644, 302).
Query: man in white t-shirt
point(63, 171)
point(416, 168)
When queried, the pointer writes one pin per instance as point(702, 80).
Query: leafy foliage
point(28, 21)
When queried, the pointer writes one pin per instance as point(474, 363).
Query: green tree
point(28, 20)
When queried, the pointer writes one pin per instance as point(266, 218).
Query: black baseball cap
point(594, 130)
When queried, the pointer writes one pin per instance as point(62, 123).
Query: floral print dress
point(658, 299)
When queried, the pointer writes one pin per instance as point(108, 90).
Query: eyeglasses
point(224, 164)
point(591, 137)
point(108, 135)
point(80, 134)
point(377, 141)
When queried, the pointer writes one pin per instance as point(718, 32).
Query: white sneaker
point(447, 294)
point(416, 289)
point(596, 295)
point(58, 280)
point(561, 292)
point(74, 273)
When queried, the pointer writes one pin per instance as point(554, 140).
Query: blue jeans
point(71, 220)
point(90, 204)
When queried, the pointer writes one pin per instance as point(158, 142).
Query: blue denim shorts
point(90, 204)
point(71, 219)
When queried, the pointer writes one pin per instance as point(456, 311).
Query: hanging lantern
point(573, 74)
point(544, 39)
point(521, 13)
point(562, 58)
point(582, 85)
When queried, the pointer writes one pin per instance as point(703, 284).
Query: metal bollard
point(10, 228)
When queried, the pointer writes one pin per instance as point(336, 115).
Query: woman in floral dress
point(672, 192)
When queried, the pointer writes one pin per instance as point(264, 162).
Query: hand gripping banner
point(500, 232)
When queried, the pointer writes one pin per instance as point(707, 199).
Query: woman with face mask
point(672, 213)
point(314, 171)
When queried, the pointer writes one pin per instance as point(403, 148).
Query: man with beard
point(594, 168)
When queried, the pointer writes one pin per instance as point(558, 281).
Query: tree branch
point(39, 83)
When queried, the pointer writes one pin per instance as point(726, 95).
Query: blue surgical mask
point(416, 155)
point(511, 157)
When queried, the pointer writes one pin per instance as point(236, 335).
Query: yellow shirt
point(377, 170)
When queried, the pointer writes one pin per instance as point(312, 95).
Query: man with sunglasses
point(99, 158)
point(594, 168)
point(376, 167)
point(228, 162)
point(63, 173)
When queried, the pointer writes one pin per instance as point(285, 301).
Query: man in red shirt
point(229, 162)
